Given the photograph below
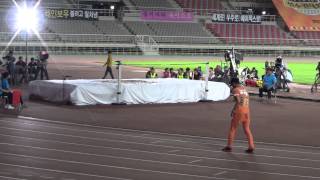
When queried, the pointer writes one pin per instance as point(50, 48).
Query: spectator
point(254, 73)
point(269, 82)
point(11, 66)
point(108, 66)
point(5, 90)
point(196, 75)
point(200, 71)
point(32, 68)
point(266, 64)
point(180, 74)
point(218, 71)
point(151, 74)
point(21, 69)
point(166, 73)
point(172, 73)
point(211, 74)
point(42, 66)
point(187, 74)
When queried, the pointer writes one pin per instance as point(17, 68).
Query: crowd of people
point(19, 71)
point(180, 73)
point(215, 74)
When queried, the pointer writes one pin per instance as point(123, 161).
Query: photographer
point(42, 65)
point(32, 68)
point(21, 69)
point(10, 66)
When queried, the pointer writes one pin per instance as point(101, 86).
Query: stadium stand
point(89, 30)
point(256, 34)
point(172, 32)
point(202, 5)
point(152, 3)
point(139, 28)
point(309, 37)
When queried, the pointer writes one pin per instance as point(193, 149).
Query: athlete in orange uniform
point(240, 114)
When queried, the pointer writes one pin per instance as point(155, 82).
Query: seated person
point(254, 73)
point(200, 71)
point(269, 82)
point(211, 74)
point(166, 73)
point(151, 74)
point(196, 75)
point(172, 73)
point(5, 90)
point(180, 74)
point(218, 71)
point(187, 74)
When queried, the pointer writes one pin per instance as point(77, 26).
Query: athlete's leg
point(247, 131)
point(232, 131)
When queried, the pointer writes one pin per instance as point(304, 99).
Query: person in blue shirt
point(269, 83)
point(5, 89)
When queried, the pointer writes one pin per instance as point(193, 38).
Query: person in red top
point(240, 114)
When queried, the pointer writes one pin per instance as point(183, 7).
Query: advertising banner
point(300, 15)
point(236, 18)
point(76, 14)
point(166, 15)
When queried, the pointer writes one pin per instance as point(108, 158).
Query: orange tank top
point(243, 95)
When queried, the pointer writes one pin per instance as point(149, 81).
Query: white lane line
point(220, 173)
point(127, 158)
point(143, 170)
point(198, 160)
point(182, 141)
point(46, 177)
point(11, 178)
point(110, 166)
point(158, 133)
point(173, 151)
point(60, 171)
point(175, 147)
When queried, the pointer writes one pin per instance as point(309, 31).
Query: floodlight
point(263, 12)
point(27, 18)
point(112, 7)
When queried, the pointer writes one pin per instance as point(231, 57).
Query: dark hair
point(235, 81)
point(109, 52)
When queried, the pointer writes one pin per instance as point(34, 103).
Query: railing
point(88, 39)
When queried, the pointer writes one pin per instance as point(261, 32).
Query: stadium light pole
point(27, 21)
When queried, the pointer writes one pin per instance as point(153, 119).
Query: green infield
point(303, 73)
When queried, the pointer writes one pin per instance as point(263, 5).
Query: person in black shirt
point(20, 69)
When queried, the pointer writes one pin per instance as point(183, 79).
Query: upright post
point(205, 99)
point(119, 68)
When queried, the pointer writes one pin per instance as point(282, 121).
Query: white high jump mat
point(133, 91)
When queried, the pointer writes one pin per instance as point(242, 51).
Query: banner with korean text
point(236, 18)
point(76, 14)
point(300, 15)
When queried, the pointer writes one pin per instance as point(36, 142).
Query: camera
point(279, 62)
point(43, 56)
point(238, 57)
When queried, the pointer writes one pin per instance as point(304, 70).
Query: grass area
point(303, 73)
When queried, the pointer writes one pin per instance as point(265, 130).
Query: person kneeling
point(269, 82)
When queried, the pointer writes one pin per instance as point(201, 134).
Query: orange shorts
point(241, 116)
